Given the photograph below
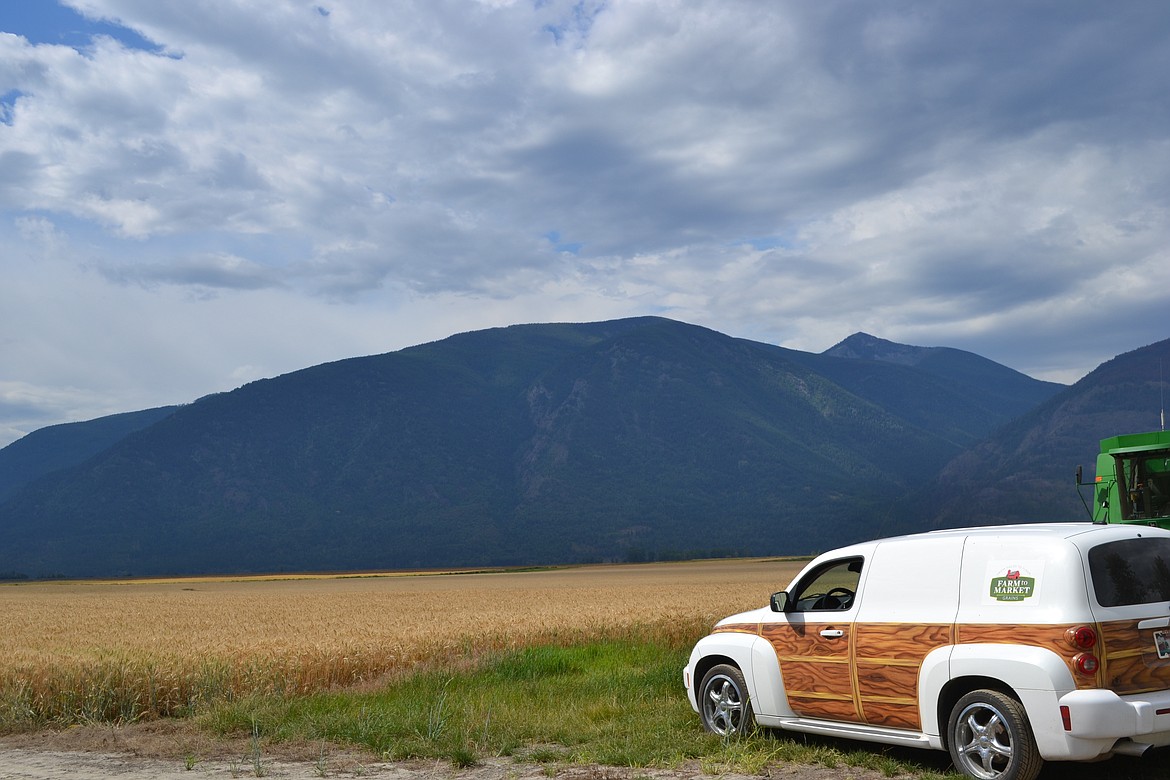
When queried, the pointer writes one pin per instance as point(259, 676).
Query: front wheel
point(989, 738)
point(723, 701)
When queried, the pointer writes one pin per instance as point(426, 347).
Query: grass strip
point(615, 703)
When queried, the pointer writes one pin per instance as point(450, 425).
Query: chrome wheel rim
point(723, 705)
point(985, 743)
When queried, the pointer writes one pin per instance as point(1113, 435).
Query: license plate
point(1162, 644)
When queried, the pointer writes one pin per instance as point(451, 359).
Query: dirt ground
point(167, 752)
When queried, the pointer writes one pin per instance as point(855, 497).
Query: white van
point(1006, 645)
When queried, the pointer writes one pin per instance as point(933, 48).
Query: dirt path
point(29, 764)
point(175, 751)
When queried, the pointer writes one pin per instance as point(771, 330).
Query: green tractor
point(1133, 480)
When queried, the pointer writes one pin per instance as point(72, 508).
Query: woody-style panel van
point(1006, 646)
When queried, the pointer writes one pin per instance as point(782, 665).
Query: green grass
point(614, 703)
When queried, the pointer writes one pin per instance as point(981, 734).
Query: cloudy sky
point(198, 193)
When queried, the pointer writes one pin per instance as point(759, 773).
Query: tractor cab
point(1132, 483)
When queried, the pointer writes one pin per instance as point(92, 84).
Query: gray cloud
point(993, 177)
point(209, 272)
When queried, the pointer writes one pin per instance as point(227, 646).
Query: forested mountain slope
point(623, 440)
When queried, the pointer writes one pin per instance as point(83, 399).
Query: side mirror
point(780, 601)
point(1079, 483)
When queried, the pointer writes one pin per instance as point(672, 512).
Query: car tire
point(723, 702)
point(990, 738)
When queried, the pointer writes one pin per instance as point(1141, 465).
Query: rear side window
point(1132, 571)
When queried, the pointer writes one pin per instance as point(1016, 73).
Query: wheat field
point(118, 651)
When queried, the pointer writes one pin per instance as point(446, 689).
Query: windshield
point(1131, 571)
point(1146, 482)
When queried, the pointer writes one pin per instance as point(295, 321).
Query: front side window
point(1131, 571)
point(832, 587)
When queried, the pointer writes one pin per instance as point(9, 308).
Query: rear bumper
point(1099, 719)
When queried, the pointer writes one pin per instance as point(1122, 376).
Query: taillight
point(1086, 663)
point(1083, 637)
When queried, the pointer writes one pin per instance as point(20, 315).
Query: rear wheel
point(723, 701)
point(989, 738)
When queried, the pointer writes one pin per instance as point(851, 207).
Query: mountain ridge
point(1026, 469)
point(57, 447)
point(622, 440)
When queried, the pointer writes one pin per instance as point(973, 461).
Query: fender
point(1020, 667)
point(770, 700)
point(739, 649)
point(1038, 677)
point(933, 676)
point(756, 658)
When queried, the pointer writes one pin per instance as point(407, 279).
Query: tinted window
point(1133, 571)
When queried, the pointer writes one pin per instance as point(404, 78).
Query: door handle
point(832, 633)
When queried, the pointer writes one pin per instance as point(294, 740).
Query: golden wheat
point(77, 651)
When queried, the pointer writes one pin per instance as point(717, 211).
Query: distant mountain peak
point(863, 346)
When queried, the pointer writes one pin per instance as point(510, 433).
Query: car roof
point(1051, 530)
point(1040, 531)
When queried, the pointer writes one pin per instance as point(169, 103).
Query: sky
point(195, 194)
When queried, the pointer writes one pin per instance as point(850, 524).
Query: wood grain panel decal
point(888, 659)
point(1129, 659)
point(814, 662)
point(737, 628)
point(1051, 637)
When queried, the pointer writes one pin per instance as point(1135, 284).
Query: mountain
point(624, 440)
point(960, 395)
point(61, 446)
point(1026, 471)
